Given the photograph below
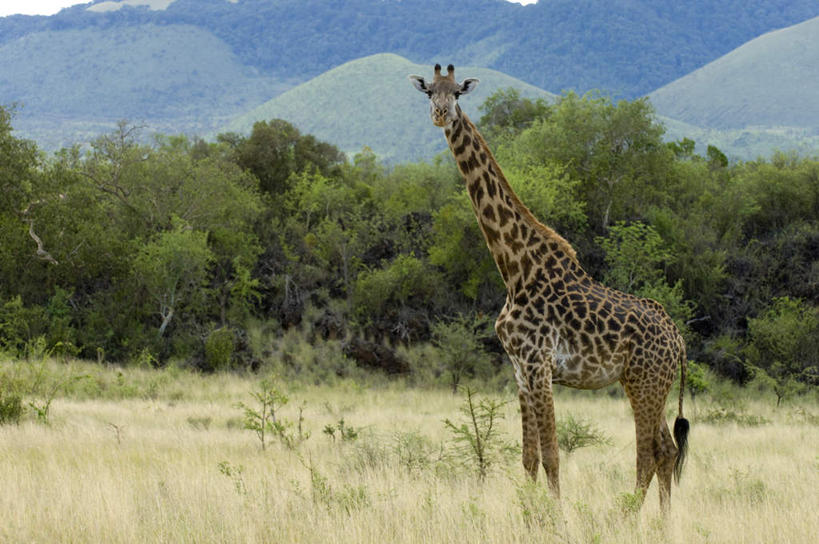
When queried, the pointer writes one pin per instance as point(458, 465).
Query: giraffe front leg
point(531, 447)
point(548, 440)
point(542, 401)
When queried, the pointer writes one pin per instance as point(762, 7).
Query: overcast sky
point(50, 7)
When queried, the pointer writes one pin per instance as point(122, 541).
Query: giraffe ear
point(419, 83)
point(468, 86)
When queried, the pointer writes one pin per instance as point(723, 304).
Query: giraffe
point(558, 325)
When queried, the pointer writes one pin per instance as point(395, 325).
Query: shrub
point(460, 350)
point(574, 433)
point(11, 408)
point(264, 419)
point(414, 451)
point(219, 348)
point(478, 439)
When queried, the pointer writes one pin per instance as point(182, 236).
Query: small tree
point(459, 345)
point(574, 433)
point(781, 382)
point(784, 341)
point(478, 437)
point(696, 380)
point(262, 419)
point(173, 268)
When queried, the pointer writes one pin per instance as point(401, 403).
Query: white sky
point(34, 7)
point(50, 7)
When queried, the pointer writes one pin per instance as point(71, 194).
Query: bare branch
point(41, 252)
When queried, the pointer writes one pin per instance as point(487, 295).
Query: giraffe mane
point(517, 203)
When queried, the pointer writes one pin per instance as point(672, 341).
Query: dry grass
point(179, 468)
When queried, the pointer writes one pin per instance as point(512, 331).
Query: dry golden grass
point(180, 468)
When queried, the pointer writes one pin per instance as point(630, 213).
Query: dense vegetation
point(213, 253)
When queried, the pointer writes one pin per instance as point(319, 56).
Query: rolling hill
point(176, 78)
point(192, 65)
point(769, 82)
point(370, 102)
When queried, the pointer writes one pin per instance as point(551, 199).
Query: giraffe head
point(443, 94)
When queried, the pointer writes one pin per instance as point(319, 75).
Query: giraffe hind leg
point(648, 406)
point(666, 458)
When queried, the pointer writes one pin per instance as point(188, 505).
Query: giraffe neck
point(524, 250)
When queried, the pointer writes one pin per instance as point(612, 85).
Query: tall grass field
point(129, 455)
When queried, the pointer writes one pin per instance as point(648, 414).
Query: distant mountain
point(195, 63)
point(175, 77)
point(370, 102)
point(769, 82)
point(629, 47)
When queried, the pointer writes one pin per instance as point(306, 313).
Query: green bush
point(574, 433)
point(219, 348)
point(11, 408)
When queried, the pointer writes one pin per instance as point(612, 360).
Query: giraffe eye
point(429, 94)
point(457, 95)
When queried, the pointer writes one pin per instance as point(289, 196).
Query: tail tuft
point(681, 438)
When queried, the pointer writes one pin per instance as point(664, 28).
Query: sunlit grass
point(172, 463)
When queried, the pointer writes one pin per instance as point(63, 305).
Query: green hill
point(71, 83)
point(196, 63)
point(767, 85)
point(370, 102)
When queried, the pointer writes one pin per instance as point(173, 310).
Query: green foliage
point(478, 440)
point(397, 289)
point(613, 150)
point(172, 252)
point(458, 247)
point(11, 407)
point(784, 340)
point(574, 433)
point(18, 326)
point(346, 433)
point(696, 379)
point(551, 195)
point(262, 418)
point(172, 269)
point(635, 254)
point(506, 113)
point(460, 349)
point(235, 473)
point(219, 348)
point(275, 149)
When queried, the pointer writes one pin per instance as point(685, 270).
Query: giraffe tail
point(681, 425)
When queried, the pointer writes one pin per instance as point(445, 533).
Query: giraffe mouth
point(441, 121)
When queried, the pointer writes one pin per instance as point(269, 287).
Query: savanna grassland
point(136, 455)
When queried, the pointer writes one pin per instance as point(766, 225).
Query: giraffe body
point(558, 325)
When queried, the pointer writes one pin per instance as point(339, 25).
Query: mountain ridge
point(761, 83)
point(212, 60)
point(352, 116)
